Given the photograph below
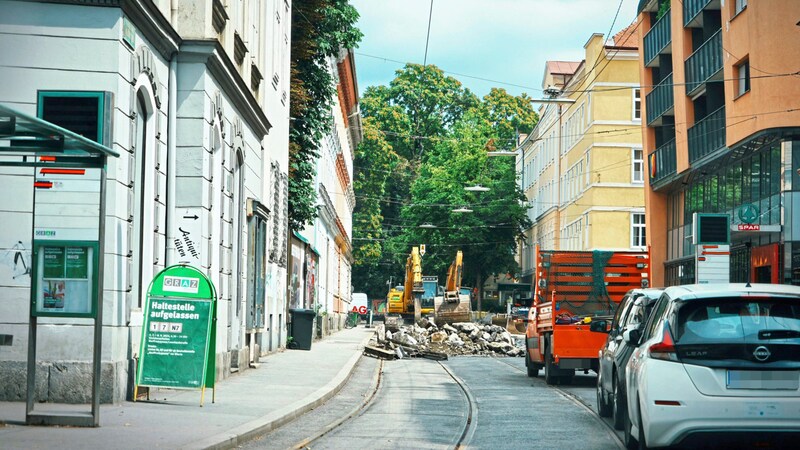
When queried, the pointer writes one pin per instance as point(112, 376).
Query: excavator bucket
point(448, 311)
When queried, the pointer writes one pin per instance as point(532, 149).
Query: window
point(742, 78)
point(638, 234)
point(740, 5)
point(79, 112)
point(638, 166)
point(637, 104)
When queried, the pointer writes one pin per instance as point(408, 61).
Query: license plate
point(763, 379)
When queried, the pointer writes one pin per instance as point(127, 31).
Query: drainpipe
point(172, 132)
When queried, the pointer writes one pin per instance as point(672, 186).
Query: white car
point(717, 366)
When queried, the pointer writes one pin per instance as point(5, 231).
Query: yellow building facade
point(582, 166)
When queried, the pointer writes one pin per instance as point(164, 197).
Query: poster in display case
point(65, 278)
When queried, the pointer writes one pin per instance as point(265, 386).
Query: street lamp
point(476, 188)
point(462, 209)
point(502, 153)
point(427, 225)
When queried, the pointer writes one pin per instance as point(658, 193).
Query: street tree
point(320, 28)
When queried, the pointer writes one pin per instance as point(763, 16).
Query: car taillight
point(666, 348)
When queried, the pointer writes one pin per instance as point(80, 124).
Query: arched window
point(142, 239)
point(238, 212)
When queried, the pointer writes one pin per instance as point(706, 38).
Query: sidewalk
point(284, 386)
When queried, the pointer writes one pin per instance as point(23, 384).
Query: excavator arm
point(453, 306)
point(453, 285)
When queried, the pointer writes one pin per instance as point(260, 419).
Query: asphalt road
point(422, 404)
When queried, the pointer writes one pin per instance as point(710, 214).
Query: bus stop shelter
point(66, 174)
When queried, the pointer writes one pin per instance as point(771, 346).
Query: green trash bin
point(302, 328)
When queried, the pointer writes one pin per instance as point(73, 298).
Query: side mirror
point(632, 335)
point(600, 326)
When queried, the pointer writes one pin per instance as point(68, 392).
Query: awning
point(513, 287)
point(27, 141)
point(301, 237)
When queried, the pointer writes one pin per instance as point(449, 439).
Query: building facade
point(581, 167)
point(195, 100)
point(329, 238)
point(721, 128)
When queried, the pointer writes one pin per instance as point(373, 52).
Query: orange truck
point(575, 295)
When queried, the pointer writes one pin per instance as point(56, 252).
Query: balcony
point(660, 100)
point(707, 136)
point(692, 9)
point(662, 162)
point(657, 40)
point(704, 63)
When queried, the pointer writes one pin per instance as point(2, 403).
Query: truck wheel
point(549, 367)
point(533, 368)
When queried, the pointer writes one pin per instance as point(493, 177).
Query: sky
point(506, 41)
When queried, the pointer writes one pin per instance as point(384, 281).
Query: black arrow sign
point(195, 217)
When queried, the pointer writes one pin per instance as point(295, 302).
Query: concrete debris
point(427, 340)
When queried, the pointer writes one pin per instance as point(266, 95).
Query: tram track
point(463, 439)
point(355, 412)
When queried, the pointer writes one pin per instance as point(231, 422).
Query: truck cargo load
point(575, 295)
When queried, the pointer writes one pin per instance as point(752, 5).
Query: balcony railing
point(691, 8)
point(707, 136)
point(704, 63)
point(657, 39)
point(660, 100)
point(662, 162)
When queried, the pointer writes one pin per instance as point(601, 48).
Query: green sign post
point(179, 332)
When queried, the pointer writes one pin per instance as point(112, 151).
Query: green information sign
point(53, 262)
point(174, 347)
point(179, 331)
point(76, 263)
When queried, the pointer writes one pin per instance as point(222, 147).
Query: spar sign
point(179, 332)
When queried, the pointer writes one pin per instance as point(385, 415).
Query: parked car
point(631, 313)
point(717, 364)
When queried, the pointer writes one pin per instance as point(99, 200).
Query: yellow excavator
point(454, 306)
point(404, 302)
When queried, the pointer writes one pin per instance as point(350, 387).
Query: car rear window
point(730, 328)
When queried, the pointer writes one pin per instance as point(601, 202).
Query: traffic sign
point(421, 249)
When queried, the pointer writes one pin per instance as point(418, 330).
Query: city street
point(477, 402)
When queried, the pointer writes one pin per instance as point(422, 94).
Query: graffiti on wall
point(18, 259)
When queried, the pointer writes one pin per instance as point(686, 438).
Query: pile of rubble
point(425, 339)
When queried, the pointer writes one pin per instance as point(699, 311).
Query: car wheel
point(603, 408)
point(549, 377)
point(619, 407)
point(642, 441)
point(630, 442)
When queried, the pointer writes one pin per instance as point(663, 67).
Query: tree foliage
point(320, 28)
point(437, 133)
